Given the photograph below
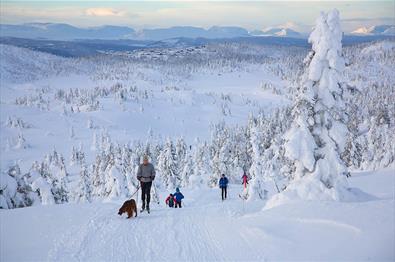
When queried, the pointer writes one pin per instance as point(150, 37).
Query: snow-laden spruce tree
point(84, 189)
point(201, 166)
point(187, 169)
point(167, 165)
point(256, 188)
point(317, 136)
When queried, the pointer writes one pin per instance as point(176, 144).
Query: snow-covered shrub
point(14, 189)
point(16, 122)
point(20, 142)
point(42, 187)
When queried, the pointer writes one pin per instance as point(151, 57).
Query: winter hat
point(177, 189)
point(145, 157)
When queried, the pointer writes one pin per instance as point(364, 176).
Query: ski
point(243, 197)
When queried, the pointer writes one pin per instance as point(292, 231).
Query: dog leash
point(137, 190)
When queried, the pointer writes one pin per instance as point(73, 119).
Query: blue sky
point(249, 14)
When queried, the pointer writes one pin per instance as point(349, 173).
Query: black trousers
point(178, 204)
point(224, 192)
point(146, 193)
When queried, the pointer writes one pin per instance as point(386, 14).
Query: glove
point(139, 178)
point(152, 177)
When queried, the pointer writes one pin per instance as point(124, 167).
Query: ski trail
point(200, 231)
point(227, 226)
point(81, 243)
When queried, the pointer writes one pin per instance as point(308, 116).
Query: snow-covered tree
point(15, 190)
point(167, 166)
point(201, 167)
point(77, 156)
point(187, 169)
point(220, 153)
point(316, 139)
point(181, 151)
point(84, 188)
point(115, 183)
point(58, 177)
point(40, 181)
point(256, 185)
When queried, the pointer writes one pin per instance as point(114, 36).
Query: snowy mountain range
point(65, 31)
point(68, 32)
point(60, 31)
point(375, 30)
point(278, 31)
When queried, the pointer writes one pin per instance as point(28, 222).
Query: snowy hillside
point(207, 229)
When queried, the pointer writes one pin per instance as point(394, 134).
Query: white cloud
point(103, 11)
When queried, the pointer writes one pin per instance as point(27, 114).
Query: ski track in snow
point(190, 233)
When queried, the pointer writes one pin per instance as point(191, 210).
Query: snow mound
point(311, 188)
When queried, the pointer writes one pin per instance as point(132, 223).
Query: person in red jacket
point(170, 200)
point(245, 180)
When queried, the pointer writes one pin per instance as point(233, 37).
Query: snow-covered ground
point(207, 229)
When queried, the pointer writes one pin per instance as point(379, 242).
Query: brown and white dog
point(129, 207)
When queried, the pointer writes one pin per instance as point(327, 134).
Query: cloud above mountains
point(104, 11)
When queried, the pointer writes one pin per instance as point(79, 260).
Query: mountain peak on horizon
point(375, 30)
point(63, 31)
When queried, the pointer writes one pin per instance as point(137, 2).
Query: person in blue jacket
point(223, 184)
point(178, 196)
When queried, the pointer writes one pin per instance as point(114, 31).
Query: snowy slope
point(208, 229)
point(164, 98)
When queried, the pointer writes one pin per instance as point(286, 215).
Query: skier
point(245, 179)
point(146, 174)
point(223, 184)
point(178, 196)
point(170, 200)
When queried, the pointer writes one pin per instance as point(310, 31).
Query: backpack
point(171, 201)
